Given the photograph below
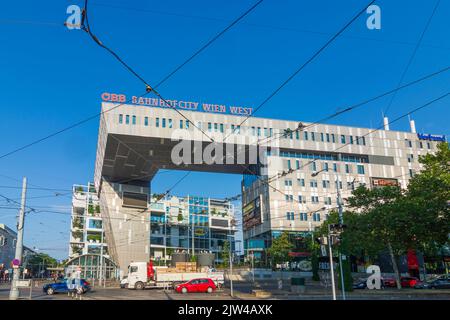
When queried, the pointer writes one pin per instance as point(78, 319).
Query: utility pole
point(331, 266)
point(101, 261)
point(231, 268)
point(14, 293)
point(341, 222)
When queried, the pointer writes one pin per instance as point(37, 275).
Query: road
point(242, 291)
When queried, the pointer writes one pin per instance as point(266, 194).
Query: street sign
point(16, 263)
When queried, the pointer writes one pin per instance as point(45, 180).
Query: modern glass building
point(192, 225)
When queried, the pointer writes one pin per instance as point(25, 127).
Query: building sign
point(384, 182)
point(178, 104)
point(431, 137)
point(251, 213)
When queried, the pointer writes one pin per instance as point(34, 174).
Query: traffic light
point(336, 228)
point(322, 240)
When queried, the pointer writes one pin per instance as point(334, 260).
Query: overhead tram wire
point(86, 27)
point(298, 70)
point(427, 104)
point(140, 96)
point(362, 103)
point(66, 128)
point(292, 76)
point(413, 55)
point(207, 44)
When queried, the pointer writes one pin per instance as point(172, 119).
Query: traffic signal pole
point(14, 292)
point(331, 266)
point(341, 222)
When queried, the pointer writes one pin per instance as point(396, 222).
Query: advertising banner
point(251, 213)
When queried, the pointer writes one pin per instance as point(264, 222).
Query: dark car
point(362, 284)
point(406, 282)
point(60, 286)
point(442, 282)
point(197, 285)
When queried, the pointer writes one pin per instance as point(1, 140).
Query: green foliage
point(400, 219)
point(279, 251)
point(40, 261)
point(348, 279)
point(225, 255)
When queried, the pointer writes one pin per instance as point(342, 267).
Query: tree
point(280, 248)
point(314, 248)
point(428, 197)
point(226, 253)
point(39, 261)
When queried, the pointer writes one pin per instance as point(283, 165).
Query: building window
point(351, 139)
point(266, 132)
point(313, 136)
point(221, 127)
point(328, 137)
point(157, 122)
point(133, 119)
point(303, 216)
point(297, 135)
point(360, 169)
point(253, 131)
point(348, 168)
point(290, 215)
point(209, 126)
point(216, 127)
point(343, 139)
point(163, 122)
point(146, 121)
point(301, 199)
point(322, 137)
point(120, 118)
point(428, 145)
point(187, 124)
point(270, 132)
point(316, 216)
point(411, 173)
point(289, 197)
point(288, 183)
point(313, 183)
point(127, 119)
point(333, 138)
point(313, 166)
point(335, 167)
point(259, 131)
point(314, 199)
point(327, 200)
point(289, 164)
point(297, 164)
point(325, 184)
point(181, 124)
point(301, 182)
point(305, 134)
point(325, 166)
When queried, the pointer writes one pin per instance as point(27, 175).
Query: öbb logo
point(112, 97)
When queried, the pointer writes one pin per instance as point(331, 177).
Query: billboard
point(384, 182)
point(251, 213)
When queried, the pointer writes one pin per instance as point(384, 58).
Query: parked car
point(60, 286)
point(406, 282)
point(441, 282)
point(409, 282)
point(362, 284)
point(197, 285)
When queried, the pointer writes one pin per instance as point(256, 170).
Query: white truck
point(141, 275)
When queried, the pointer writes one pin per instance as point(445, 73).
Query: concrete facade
point(136, 141)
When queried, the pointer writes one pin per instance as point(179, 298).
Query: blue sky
point(51, 77)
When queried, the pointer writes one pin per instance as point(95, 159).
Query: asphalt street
point(242, 291)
